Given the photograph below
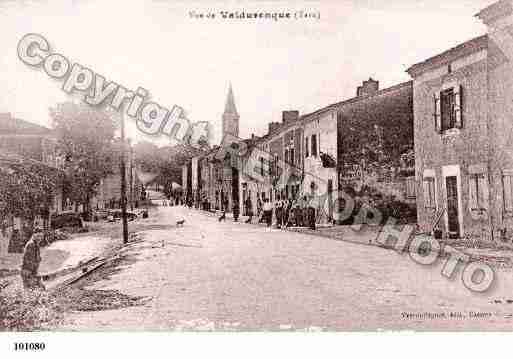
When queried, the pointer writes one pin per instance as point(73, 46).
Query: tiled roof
point(14, 126)
point(313, 115)
point(464, 49)
point(9, 158)
point(496, 10)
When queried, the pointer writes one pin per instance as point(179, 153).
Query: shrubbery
point(388, 206)
point(30, 310)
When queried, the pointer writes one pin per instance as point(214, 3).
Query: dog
point(180, 222)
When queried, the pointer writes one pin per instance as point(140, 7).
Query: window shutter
point(437, 115)
point(458, 121)
point(483, 188)
point(319, 142)
point(307, 149)
point(473, 192)
point(427, 198)
point(508, 202)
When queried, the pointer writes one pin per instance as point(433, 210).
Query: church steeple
point(230, 115)
point(230, 103)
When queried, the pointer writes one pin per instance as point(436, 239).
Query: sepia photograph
point(264, 167)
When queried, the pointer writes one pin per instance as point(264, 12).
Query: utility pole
point(123, 182)
point(131, 177)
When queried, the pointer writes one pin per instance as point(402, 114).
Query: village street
point(208, 275)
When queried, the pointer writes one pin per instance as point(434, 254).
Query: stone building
point(214, 175)
point(320, 177)
point(463, 106)
point(375, 135)
point(273, 165)
point(28, 145)
point(352, 142)
point(108, 192)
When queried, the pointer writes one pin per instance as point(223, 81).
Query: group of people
point(287, 212)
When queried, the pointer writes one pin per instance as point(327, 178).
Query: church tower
point(230, 116)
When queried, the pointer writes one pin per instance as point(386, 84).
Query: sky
point(297, 64)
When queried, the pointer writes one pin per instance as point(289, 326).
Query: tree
point(27, 191)
point(165, 162)
point(85, 139)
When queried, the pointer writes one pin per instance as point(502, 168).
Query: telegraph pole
point(131, 177)
point(123, 181)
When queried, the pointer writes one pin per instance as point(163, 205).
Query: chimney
point(273, 126)
point(289, 116)
point(369, 87)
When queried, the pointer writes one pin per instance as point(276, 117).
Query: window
point(477, 188)
point(291, 155)
point(314, 145)
point(307, 148)
point(429, 192)
point(410, 187)
point(448, 108)
point(261, 166)
point(287, 156)
point(507, 180)
point(274, 166)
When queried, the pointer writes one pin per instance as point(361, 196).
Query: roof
point(229, 107)
point(313, 115)
point(495, 11)
point(462, 50)
point(9, 158)
point(14, 126)
point(281, 127)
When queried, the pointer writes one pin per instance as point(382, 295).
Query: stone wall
point(458, 147)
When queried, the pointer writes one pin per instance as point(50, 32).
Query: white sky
point(273, 66)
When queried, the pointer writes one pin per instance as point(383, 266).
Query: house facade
point(374, 137)
point(213, 177)
point(108, 192)
point(27, 145)
point(463, 104)
point(33, 142)
point(320, 176)
point(357, 142)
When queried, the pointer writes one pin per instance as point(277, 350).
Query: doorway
point(453, 223)
point(330, 200)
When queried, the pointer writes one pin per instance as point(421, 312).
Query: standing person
point(249, 209)
point(279, 214)
point(298, 216)
point(31, 261)
point(310, 213)
point(224, 209)
point(260, 209)
point(304, 211)
point(268, 212)
point(288, 213)
point(236, 210)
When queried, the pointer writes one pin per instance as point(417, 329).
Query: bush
point(30, 310)
point(388, 206)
